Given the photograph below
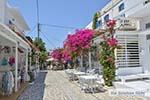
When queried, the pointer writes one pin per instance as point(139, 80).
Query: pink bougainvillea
point(107, 55)
point(78, 41)
point(111, 23)
point(66, 56)
point(61, 55)
point(112, 42)
point(57, 54)
point(73, 45)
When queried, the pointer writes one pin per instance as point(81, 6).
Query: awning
point(7, 32)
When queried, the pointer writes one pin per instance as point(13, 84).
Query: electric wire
point(34, 27)
point(57, 40)
point(59, 26)
point(51, 43)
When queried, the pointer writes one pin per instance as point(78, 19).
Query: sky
point(69, 13)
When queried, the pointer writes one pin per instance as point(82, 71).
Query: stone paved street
point(54, 85)
point(35, 91)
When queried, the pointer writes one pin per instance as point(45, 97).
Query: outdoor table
point(79, 73)
point(76, 74)
point(88, 80)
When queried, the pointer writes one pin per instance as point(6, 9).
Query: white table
point(88, 79)
point(88, 82)
point(76, 74)
point(73, 74)
point(79, 73)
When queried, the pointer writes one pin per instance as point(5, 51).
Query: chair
point(100, 84)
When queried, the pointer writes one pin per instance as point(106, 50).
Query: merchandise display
point(7, 69)
point(7, 83)
point(11, 61)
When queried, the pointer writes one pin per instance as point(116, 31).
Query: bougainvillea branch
point(107, 58)
point(80, 41)
point(74, 45)
point(57, 54)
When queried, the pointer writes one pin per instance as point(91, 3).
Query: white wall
point(6, 15)
point(135, 9)
point(144, 21)
point(145, 51)
point(132, 6)
point(2, 10)
point(10, 17)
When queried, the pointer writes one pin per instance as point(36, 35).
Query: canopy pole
point(26, 65)
point(90, 62)
point(81, 60)
point(16, 68)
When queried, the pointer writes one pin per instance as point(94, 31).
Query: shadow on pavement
point(36, 90)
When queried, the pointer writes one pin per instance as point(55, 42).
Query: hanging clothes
point(7, 83)
point(4, 61)
point(11, 61)
point(23, 74)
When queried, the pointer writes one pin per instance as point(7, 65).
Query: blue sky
point(71, 13)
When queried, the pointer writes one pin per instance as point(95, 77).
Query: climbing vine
point(95, 20)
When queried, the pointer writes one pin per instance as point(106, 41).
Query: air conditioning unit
point(126, 24)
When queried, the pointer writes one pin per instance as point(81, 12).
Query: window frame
point(121, 7)
point(99, 23)
point(106, 18)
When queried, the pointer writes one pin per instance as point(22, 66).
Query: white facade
point(8, 13)
point(138, 10)
point(12, 34)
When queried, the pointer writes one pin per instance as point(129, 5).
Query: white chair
point(100, 84)
point(89, 82)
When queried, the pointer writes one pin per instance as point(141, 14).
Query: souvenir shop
point(13, 62)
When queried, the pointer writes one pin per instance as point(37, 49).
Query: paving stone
point(54, 85)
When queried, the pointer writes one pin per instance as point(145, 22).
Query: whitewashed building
point(13, 42)
point(133, 34)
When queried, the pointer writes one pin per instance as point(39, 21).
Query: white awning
point(12, 36)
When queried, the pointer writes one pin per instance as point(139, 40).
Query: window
point(99, 23)
point(10, 22)
point(147, 25)
point(106, 18)
point(121, 7)
point(122, 15)
point(148, 37)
